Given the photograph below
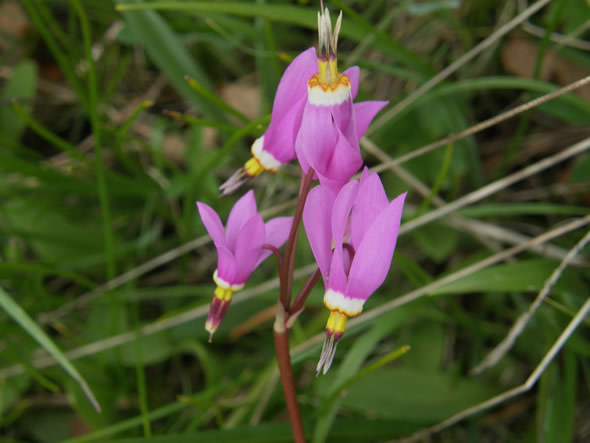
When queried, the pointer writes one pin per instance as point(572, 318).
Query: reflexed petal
point(373, 256)
point(353, 73)
point(241, 213)
point(342, 164)
point(337, 278)
point(316, 138)
point(212, 223)
point(342, 115)
point(372, 200)
point(226, 265)
point(342, 206)
point(364, 113)
point(293, 84)
point(279, 138)
point(316, 219)
point(276, 234)
point(277, 231)
point(248, 244)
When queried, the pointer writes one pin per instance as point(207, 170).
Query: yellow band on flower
point(336, 323)
point(223, 294)
point(253, 167)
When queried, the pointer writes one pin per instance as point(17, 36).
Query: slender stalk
point(289, 257)
point(276, 253)
point(281, 339)
point(281, 329)
point(304, 293)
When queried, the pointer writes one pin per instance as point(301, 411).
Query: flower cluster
point(351, 225)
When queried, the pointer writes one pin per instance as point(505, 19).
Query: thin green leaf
point(29, 325)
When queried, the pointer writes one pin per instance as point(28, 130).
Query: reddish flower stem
point(304, 293)
point(281, 330)
point(289, 257)
point(277, 254)
point(281, 338)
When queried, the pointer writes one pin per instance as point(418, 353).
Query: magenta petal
point(342, 115)
point(372, 258)
point(276, 233)
point(372, 200)
point(337, 279)
point(342, 206)
point(226, 265)
point(353, 73)
point(279, 138)
point(212, 223)
point(364, 113)
point(248, 245)
point(316, 219)
point(241, 213)
point(293, 84)
point(316, 138)
point(343, 163)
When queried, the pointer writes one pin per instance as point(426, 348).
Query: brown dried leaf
point(13, 21)
point(519, 55)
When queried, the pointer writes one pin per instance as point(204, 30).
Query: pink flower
point(277, 146)
point(239, 249)
point(331, 126)
point(363, 226)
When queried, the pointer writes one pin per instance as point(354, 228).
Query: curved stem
point(289, 257)
point(305, 291)
point(277, 254)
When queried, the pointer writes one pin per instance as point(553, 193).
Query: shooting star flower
point(239, 249)
point(277, 146)
point(331, 126)
point(363, 226)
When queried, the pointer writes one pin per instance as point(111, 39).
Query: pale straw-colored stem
point(450, 278)
point(511, 393)
point(497, 185)
point(445, 73)
point(482, 231)
point(504, 346)
point(484, 125)
point(158, 326)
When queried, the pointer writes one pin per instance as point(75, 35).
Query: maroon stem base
point(286, 373)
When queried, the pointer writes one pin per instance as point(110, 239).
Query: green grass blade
point(96, 132)
point(307, 17)
point(28, 324)
point(168, 53)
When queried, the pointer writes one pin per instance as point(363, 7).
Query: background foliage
point(105, 267)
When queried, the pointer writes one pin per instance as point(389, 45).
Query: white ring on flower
point(337, 301)
point(265, 158)
point(317, 96)
point(224, 284)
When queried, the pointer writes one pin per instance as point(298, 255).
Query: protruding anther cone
point(334, 330)
point(236, 180)
point(327, 355)
point(217, 310)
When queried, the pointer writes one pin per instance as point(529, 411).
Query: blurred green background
point(105, 265)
